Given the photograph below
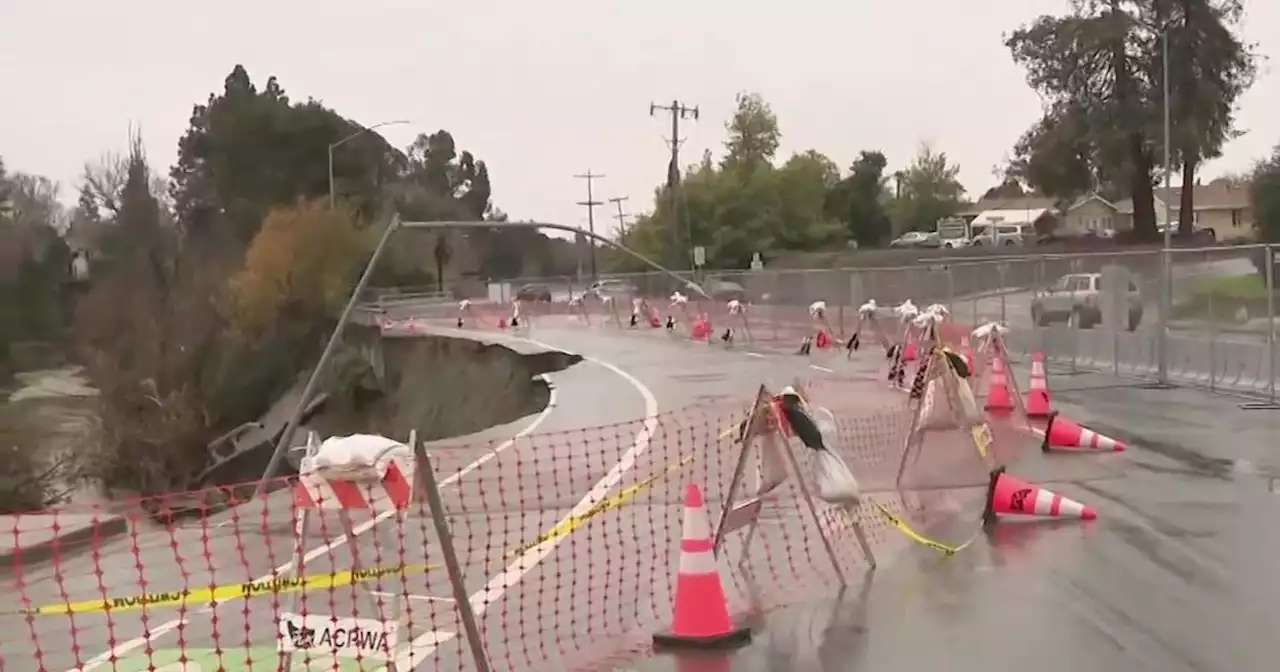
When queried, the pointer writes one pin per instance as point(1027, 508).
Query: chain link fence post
point(1162, 320)
point(1269, 259)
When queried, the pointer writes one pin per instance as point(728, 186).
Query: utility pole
point(621, 216)
point(678, 111)
point(591, 204)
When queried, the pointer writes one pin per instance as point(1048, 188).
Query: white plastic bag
point(968, 405)
point(833, 479)
point(826, 422)
point(936, 412)
point(771, 467)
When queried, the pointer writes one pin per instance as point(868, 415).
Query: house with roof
point(1042, 219)
point(1025, 203)
point(1220, 207)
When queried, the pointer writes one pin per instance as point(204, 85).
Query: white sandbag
point(356, 453)
point(833, 480)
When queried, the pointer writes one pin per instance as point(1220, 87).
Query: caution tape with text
point(285, 584)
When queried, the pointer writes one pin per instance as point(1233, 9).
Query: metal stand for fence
point(1001, 349)
point(936, 369)
point(417, 471)
point(762, 425)
point(869, 322)
point(611, 307)
point(466, 613)
point(297, 631)
point(746, 329)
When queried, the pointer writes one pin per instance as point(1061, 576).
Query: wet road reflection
point(1177, 574)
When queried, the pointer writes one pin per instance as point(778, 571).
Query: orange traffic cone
point(701, 330)
point(502, 323)
point(998, 397)
point(1038, 395)
point(701, 611)
point(1064, 434)
point(1011, 496)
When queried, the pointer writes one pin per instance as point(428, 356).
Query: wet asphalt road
point(1177, 573)
point(496, 508)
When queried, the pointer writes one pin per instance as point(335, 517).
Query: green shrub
point(1220, 298)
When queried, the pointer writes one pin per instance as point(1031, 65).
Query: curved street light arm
point(367, 129)
point(309, 390)
point(563, 227)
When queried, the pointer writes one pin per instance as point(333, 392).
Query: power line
point(591, 204)
point(621, 216)
point(678, 111)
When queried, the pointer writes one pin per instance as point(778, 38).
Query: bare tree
point(100, 186)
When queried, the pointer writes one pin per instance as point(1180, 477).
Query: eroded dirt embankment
point(443, 387)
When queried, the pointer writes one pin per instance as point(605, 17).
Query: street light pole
point(309, 388)
point(333, 201)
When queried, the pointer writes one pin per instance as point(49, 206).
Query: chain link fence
point(1218, 330)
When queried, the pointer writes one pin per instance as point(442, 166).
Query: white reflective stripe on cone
point(1092, 439)
point(697, 563)
point(696, 524)
point(1050, 504)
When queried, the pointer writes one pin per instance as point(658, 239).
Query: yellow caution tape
point(218, 594)
point(908, 532)
point(280, 585)
point(570, 525)
point(982, 439)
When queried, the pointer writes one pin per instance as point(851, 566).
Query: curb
point(1220, 329)
point(97, 531)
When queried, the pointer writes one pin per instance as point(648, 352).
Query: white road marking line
point(821, 368)
point(426, 644)
point(424, 598)
point(753, 354)
point(120, 650)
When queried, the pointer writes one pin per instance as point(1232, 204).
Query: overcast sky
point(545, 90)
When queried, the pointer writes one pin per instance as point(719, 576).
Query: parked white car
point(1010, 234)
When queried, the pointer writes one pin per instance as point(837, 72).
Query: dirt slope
point(444, 387)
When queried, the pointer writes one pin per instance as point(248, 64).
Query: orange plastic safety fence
point(568, 544)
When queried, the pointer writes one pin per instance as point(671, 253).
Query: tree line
point(1099, 69)
point(748, 203)
point(212, 287)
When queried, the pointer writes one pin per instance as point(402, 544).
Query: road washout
point(444, 387)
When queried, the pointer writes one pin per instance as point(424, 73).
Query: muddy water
point(51, 415)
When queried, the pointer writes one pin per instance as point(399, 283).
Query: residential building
point(1091, 214)
point(1220, 207)
point(1033, 202)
